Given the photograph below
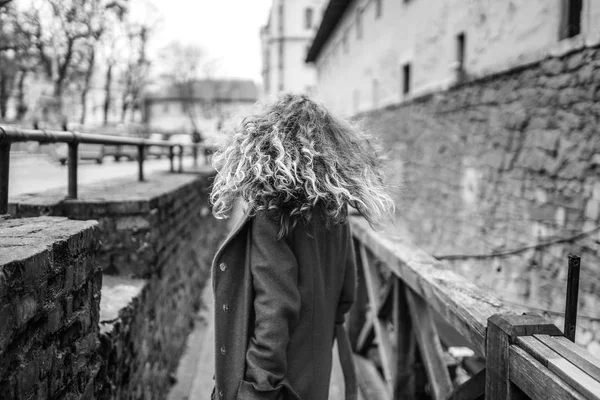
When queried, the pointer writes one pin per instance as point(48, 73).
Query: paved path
point(196, 367)
point(30, 173)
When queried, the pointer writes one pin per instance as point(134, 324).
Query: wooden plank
point(473, 389)
point(535, 380)
point(498, 385)
point(370, 384)
point(457, 300)
point(574, 353)
point(560, 366)
point(429, 345)
point(405, 379)
point(373, 286)
point(365, 339)
point(386, 303)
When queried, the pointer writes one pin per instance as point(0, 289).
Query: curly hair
point(294, 158)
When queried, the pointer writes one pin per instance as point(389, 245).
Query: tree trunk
point(107, 94)
point(3, 95)
point(58, 96)
point(21, 106)
point(86, 84)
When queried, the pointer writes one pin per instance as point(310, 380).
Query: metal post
point(180, 158)
point(195, 155)
point(141, 163)
point(572, 297)
point(4, 168)
point(171, 158)
point(72, 166)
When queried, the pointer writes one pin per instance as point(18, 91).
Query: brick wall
point(163, 232)
point(143, 347)
point(49, 302)
point(506, 164)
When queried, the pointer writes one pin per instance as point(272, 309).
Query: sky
point(228, 31)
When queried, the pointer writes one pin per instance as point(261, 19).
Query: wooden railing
point(403, 290)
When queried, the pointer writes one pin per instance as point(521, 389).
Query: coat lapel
point(236, 229)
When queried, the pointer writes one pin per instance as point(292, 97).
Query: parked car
point(157, 151)
point(85, 151)
point(119, 152)
point(184, 139)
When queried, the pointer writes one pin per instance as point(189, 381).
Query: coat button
point(223, 266)
point(223, 351)
point(226, 307)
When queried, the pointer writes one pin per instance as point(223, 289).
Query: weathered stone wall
point(161, 231)
point(507, 164)
point(143, 347)
point(49, 302)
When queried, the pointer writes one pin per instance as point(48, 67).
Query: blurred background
point(488, 110)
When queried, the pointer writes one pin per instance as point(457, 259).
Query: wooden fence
point(402, 290)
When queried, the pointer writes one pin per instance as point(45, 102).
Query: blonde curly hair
point(294, 158)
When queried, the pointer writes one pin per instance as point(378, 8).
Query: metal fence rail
point(11, 134)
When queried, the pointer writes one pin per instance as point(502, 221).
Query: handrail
point(462, 304)
point(399, 285)
point(10, 134)
point(13, 134)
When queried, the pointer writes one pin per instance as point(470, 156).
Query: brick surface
point(33, 337)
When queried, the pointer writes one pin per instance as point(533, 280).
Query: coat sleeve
point(274, 271)
point(348, 293)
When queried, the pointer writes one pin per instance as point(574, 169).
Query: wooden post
point(429, 345)
point(502, 332)
point(373, 286)
point(404, 382)
point(572, 297)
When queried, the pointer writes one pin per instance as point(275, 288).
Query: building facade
point(205, 105)
point(371, 53)
point(285, 40)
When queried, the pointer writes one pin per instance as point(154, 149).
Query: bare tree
point(185, 64)
point(64, 31)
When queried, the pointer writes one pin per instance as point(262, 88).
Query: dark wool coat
point(276, 306)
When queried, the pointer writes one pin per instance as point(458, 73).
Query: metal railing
point(10, 134)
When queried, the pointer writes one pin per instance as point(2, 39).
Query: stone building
point(285, 40)
point(371, 53)
point(207, 105)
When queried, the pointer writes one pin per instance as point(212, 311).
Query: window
point(571, 18)
point(308, 17)
point(460, 56)
point(406, 79)
point(378, 8)
point(359, 27)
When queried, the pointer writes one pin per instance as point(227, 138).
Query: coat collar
point(241, 223)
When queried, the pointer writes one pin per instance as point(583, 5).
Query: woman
point(285, 276)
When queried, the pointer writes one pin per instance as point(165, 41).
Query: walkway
point(196, 368)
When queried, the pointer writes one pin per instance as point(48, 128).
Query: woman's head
point(294, 157)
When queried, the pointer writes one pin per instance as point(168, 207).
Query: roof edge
point(331, 18)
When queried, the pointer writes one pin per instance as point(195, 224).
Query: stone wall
point(49, 302)
point(500, 177)
point(158, 237)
